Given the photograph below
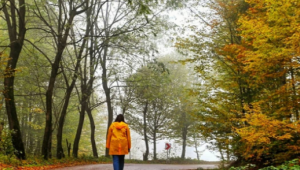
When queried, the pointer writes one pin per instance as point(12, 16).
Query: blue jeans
point(118, 162)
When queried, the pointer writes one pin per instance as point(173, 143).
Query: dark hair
point(120, 118)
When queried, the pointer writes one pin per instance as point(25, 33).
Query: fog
point(138, 148)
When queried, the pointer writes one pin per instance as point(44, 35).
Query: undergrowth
point(288, 165)
point(12, 163)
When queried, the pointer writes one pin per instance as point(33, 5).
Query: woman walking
point(118, 141)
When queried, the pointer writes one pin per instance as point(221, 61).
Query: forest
point(220, 71)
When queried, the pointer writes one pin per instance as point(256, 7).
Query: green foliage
point(288, 165)
point(6, 146)
point(9, 160)
point(179, 160)
point(104, 159)
point(245, 167)
point(135, 161)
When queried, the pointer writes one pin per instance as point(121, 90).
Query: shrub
point(288, 165)
point(6, 146)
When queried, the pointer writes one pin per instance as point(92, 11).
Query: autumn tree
point(248, 69)
point(271, 58)
point(223, 86)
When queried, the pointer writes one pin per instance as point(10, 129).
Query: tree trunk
point(92, 71)
point(145, 155)
point(110, 114)
point(196, 147)
point(30, 134)
point(92, 124)
point(59, 152)
point(227, 152)
point(13, 119)
point(1, 129)
point(106, 90)
point(10, 101)
point(220, 151)
point(86, 88)
point(184, 138)
point(154, 133)
point(38, 147)
point(84, 105)
point(69, 148)
point(16, 45)
point(23, 127)
point(37, 139)
point(154, 145)
point(46, 147)
point(294, 96)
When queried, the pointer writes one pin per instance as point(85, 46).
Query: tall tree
point(90, 13)
point(97, 49)
point(151, 92)
point(139, 18)
point(119, 21)
point(15, 17)
point(183, 105)
point(60, 35)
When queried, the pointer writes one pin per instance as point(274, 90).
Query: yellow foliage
point(35, 126)
point(37, 110)
point(258, 70)
point(3, 62)
point(261, 131)
point(272, 28)
point(270, 31)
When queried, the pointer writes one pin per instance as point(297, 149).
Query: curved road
point(142, 167)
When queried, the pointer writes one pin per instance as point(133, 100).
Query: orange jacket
point(118, 139)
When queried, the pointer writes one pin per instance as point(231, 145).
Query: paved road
point(141, 167)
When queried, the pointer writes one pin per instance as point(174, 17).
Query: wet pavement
point(142, 167)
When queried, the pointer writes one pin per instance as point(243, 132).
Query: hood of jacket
point(120, 125)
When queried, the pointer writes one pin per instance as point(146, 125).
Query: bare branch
point(39, 50)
